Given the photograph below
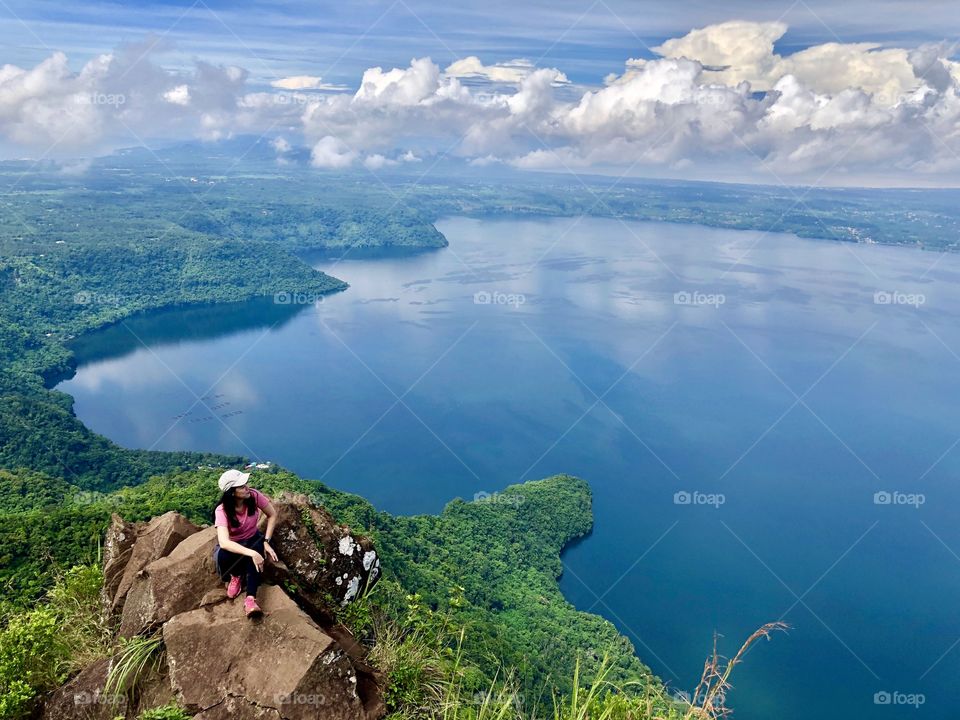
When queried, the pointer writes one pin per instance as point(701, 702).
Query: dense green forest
point(205, 188)
point(48, 299)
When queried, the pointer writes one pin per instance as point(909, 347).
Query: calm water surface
point(778, 402)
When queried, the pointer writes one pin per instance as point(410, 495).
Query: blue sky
point(338, 40)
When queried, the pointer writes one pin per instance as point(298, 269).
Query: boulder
point(153, 690)
point(181, 581)
point(83, 698)
point(369, 679)
point(154, 540)
point(324, 563)
point(234, 708)
point(282, 666)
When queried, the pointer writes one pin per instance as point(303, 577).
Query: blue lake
point(770, 426)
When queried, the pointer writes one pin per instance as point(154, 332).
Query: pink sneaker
point(251, 608)
point(233, 587)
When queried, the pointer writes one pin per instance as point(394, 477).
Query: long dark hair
point(229, 502)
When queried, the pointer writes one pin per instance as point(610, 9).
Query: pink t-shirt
point(248, 522)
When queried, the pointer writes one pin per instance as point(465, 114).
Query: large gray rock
point(324, 563)
point(283, 665)
point(83, 698)
point(117, 549)
point(154, 540)
point(171, 585)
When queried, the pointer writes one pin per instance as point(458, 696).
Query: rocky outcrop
point(325, 562)
point(293, 663)
point(117, 548)
point(152, 541)
point(288, 664)
point(172, 585)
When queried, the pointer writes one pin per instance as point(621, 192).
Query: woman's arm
point(271, 512)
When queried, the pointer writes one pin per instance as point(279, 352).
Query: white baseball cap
point(231, 479)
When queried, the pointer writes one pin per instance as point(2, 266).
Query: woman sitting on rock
point(240, 544)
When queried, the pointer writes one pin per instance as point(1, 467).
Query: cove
point(769, 426)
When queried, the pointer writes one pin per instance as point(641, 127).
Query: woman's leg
point(230, 563)
point(253, 577)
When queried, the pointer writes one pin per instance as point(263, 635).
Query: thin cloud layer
point(718, 101)
point(305, 82)
point(512, 71)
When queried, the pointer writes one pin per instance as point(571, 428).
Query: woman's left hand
point(268, 551)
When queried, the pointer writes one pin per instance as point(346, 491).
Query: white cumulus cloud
point(329, 152)
point(738, 51)
point(718, 97)
point(179, 95)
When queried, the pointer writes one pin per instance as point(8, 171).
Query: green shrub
point(76, 601)
point(137, 657)
point(167, 712)
point(33, 658)
point(40, 647)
